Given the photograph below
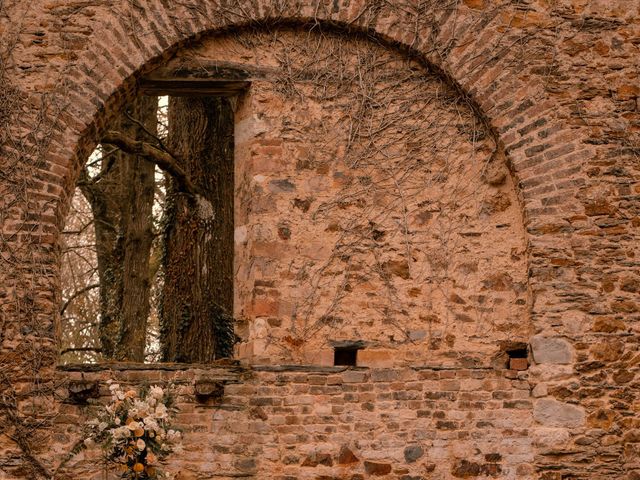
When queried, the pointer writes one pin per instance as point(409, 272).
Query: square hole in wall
point(345, 356)
point(518, 358)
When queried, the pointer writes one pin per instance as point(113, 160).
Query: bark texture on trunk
point(121, 201)
point(103, 198)
point(137, 237)
point(197, 306)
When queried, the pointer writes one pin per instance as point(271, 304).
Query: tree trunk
point(103, 198)
point(121, 202)
point(137, 236)
point(197, 305)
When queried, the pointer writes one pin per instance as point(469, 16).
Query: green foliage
point(223, 327)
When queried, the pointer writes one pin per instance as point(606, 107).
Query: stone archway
point(517, 108)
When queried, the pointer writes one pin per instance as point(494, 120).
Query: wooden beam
point(200, 79)
point(192, 87)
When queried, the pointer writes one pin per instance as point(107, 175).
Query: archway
point(375, 211)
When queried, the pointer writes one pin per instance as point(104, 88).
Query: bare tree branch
point(146, 130)
point(163, 159)
point(76, 295)
point(102, 158)
point(80, 349)
point(80, 230)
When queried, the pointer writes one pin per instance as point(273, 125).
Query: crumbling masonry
point(451, 187)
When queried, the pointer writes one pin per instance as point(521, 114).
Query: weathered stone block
point(552, 413)
point(540, 390)
point(551, 350)
point(377, 468)
point(354, 376)
point(346, 456)
point(412, 453)
point(518, 363)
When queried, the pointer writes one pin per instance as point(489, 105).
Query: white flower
point(120, 432)
point(161, 411)
point(156, 392)
point(117, 421)
point(139, 409)
point(140, 444)
point(150, 424)
point(114, 386)
point(89, 442)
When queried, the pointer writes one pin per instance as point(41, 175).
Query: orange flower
point(139, 432)
point(138, 467)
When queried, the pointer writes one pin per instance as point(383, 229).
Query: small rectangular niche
point(345, 353)
point(518, 357)
point(345, 356)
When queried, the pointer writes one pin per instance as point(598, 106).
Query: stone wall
point(371, 206)
point(556, 82)
point(286, 423)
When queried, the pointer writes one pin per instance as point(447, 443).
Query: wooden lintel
point(201, 78)
point(179, 87)
point(348, 344)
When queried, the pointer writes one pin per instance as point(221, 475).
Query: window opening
point(149, 248)
point(199, 236)
point(517, 353)
point(518, 357)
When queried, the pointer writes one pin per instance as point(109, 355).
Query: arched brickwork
point(569, 142)
point(515, 105)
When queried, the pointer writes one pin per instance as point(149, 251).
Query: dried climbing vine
point(29, 350)
point(409, 152)
point(27, 331)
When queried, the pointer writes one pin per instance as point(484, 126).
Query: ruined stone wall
point(372, 206)
point(558, 85)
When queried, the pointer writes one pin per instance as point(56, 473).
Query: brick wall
point(312, 422)
point(556, 83)
point(368, 210)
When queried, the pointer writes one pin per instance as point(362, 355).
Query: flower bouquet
point(134, 431)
